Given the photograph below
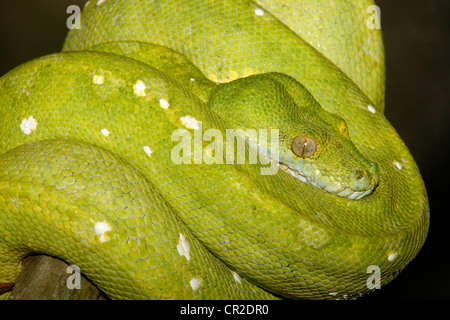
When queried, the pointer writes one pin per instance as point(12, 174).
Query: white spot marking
point(195, 283)
point(139, 88)
point(28, 125)
point(98, 79)
point(371, 108)
point(100, 229)
point(147, 150)
point(333, 294)
point(236, 277)
point(99, 2)
point(259, 12)
point(398, 165)
point(187, 31)
point(392, 256)
point(189, 122)
point(164, 104)
point(105, 132)
point(192, 79)
point(183, 247)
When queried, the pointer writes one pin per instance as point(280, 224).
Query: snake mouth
point(360, 184)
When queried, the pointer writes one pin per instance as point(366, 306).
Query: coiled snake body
point(90, 138)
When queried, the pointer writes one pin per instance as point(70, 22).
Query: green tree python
point(90, 136)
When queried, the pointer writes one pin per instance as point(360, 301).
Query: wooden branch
point(47, 278)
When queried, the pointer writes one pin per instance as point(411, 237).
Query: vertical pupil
point(303, 146)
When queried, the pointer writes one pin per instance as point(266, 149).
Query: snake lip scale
point(342, 190)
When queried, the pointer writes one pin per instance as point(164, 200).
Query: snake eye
point(303, 146)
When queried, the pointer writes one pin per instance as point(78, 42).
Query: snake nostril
point(360, 180)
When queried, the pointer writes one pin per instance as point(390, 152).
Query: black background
point(416, 37)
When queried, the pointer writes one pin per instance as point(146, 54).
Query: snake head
point(314, 145)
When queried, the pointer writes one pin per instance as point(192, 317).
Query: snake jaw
point(361, 183)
